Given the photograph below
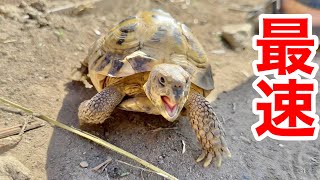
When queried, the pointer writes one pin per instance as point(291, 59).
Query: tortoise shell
point(139, 42)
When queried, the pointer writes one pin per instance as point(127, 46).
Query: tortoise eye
point(162, 81)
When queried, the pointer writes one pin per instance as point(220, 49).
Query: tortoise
point(151, 63)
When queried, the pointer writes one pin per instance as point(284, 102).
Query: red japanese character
point(287, 27)
point(292, 102)
point(285, 45)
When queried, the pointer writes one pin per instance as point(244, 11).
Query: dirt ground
point(36, 57)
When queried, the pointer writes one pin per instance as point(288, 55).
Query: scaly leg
point(99, 107)
point(208, 129)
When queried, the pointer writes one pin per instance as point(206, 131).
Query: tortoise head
point(168, 88)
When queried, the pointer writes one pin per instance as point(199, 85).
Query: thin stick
point(23, 127)
point(233, 107)
point(12, 127)
point(6, 132)
point(11, 111)
point(94, 139)
point(160, 129)
point(141, 172)
point(143, 169)
point(183, 146)
point(73, 6)
point(16, 126)
point(240, 9)
point(223, 120)
point(103, 165)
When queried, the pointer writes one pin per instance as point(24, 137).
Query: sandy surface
point(35, 65)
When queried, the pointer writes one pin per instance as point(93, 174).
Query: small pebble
point(281, 145)
point(124, 174)
point(23, 4)
point(114, 172)
point(84, 164)
point(195, 21)
point(97, 32)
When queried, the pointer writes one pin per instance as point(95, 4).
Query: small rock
point(33, 14)
point(114, 172)
point(4, 53)
point(39, 5)
point(84, 164)
point(23, 19)
point(4, 10)
point(80, 48)
point(8, 143)
point(268, 7)
point(11, 168)
point(97, 32)
point(281, 145)
point(43, 22)
point(238, 36)
point(196, 21)
point(4, 36)
point(23, 4)
point(124, 174)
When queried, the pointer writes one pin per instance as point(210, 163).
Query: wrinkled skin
point(168, 89)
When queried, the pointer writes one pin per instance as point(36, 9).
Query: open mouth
point(171, 107)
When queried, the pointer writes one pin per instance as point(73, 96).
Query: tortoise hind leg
point(99, 107)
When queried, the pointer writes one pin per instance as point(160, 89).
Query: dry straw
point(92, 138)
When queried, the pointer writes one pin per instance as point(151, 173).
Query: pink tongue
point(168, 102)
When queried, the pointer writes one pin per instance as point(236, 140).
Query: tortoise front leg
point(207, 128)
point(99, 107)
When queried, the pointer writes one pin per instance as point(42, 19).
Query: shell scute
point(139, 42)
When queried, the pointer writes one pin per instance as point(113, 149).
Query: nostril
point(177, 91)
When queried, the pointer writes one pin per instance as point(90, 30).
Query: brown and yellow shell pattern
point(139, 42)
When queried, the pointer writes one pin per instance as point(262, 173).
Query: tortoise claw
point(226, 152)
point(208, 157)
point(202, 156)
point(208, 160)
point(218, 160)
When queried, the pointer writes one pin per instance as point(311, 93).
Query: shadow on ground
point(133, 132)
